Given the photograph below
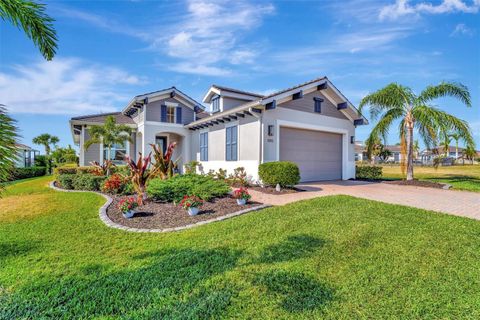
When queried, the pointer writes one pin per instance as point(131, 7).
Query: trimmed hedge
point(24, 173)
point(66, 181)
point(88, 182)
point(284, 173)
point(65, 170)
point(368, 172)
point(175, 188)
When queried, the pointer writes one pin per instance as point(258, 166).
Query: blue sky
point(110, 51)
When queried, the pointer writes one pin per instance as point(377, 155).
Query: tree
point(46, 140)
point(446, 143)
point(374, 147)
point(64, 155)
point(384, 154)
point(396, 102)
point(470, 152)
point(416, 149)
point(109, 134)
point(36, 24)
point(455, 136)
point(8, 150)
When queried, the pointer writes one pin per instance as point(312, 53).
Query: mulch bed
point(417, 183)
point(271, 190)
point(156, 215)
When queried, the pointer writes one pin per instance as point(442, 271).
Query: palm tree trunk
point(409, 151)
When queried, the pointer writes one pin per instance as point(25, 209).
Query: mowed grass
point(330, 258)
point(461, 177)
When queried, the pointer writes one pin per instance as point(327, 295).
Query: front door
point(162, 143)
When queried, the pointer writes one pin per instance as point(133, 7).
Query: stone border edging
point(102, 212)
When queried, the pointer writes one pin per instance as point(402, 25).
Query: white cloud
point(462, 29)
point(63, 86)
point(402, 8)
point(209, 36)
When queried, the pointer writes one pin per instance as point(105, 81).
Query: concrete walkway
point(459, 203)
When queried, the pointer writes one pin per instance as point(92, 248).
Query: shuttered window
point(231, 136)
point(318, 104)
point(204, 146)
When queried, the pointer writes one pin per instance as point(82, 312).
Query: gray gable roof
point(100, 118)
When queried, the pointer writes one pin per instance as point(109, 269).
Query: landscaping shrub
point(41, 161)
point(238, 178)
point(89, 182)
point(176, 188)
point(128, 189)
point(114, 184)
point(65, 170)
point(86, 170)
point(24, 173)
point(65, 181)
point(284, 173)
point(368, 172)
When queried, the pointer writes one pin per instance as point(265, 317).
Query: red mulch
point(156, 215)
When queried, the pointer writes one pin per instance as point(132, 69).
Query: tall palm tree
point(455, 136)
point(37, 25)
point(8, 150)
point(46, 140)
point(445, 143)
point(109, 134)
point(397, 102)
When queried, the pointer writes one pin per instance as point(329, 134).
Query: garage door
point(317, 153)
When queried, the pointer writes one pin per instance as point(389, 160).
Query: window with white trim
point(204, 146)
point(231, 137)
point(216, 104)
point(117, 152)
point(170, 114)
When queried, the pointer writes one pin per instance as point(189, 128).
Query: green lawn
point(331, 257)
point(465, 177)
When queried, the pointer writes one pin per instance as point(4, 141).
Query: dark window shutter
point(318, 105)
point(163, 113)
point(179, 115)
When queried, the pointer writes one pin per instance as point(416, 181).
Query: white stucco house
point(312, 124)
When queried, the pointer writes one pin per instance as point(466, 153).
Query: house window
point(318, 104)
point(216, 104)
point(204, 146)
point(170, 114)
point(117, 152)
point(231, 143)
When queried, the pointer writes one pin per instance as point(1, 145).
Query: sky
point(110, 51)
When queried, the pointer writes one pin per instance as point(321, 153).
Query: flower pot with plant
point(192, 204)
point(127, 206)
point(242, 196)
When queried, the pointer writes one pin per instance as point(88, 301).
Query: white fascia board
point(242, 107)
point(230, 94)
point(210, 93)
point(288, 93)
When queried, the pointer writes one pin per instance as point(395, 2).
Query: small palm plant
point(8, 150)
point(164, 167)
point(396, 102)
point(139, 175)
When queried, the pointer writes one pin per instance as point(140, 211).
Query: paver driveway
point(460, 203)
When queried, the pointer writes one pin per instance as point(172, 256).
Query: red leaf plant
point(139, 175)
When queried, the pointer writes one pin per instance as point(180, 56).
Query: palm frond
point(392, 96)
point(8, 150)
point(36, 24)
point(444, 89)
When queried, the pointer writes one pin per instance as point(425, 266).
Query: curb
point(102, 212)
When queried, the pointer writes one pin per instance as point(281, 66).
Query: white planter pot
point(129, 214)
point(193, 211)
point(241, 202)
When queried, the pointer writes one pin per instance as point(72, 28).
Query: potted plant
point(127, 206)
point(241, 195)
point(191, 204)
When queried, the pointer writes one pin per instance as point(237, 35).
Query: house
point(25, 156)
point(312, 124)
point(361, 153)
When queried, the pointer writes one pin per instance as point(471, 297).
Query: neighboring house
point(361, 153)
point(25, 156)
point(312, 124)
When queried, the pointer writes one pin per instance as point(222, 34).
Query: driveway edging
point(102, 212)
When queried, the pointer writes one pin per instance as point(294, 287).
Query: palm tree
point(470, 152)
point(446, 143)
point(109, 134)
point(397, 102)
point(416, 149)
point(8, 150)
point(455, 136)
point(37, 25)
point(46, 140)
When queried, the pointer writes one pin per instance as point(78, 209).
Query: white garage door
point(317, 153)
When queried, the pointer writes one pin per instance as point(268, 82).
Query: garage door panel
point(318, 154)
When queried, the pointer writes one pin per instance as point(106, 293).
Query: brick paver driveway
point(460, 203)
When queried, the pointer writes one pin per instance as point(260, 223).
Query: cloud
point(64, 86)
point(462, 29)
point(207, 40)
point(402, 8)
